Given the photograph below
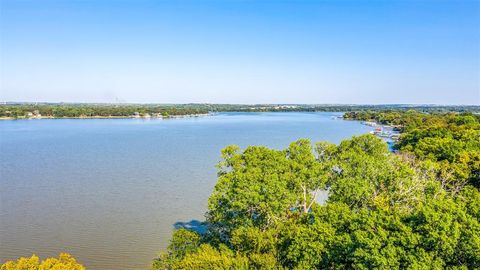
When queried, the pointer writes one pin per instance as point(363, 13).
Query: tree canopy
point(64, 262)
point(449, 141)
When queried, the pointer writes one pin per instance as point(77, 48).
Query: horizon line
point(245, 104)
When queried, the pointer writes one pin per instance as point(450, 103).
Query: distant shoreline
point(111, 111)
point(109, 117)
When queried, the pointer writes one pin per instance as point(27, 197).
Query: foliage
point(261, 187)
point(451, 141)
point(64, 262)
point(77, 110)
point(384, 211)
point(62, 110)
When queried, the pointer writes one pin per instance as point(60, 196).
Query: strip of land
point(11, 110)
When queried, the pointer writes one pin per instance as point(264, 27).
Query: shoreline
point(168, 117)
point(386, 132)
point(109, 117)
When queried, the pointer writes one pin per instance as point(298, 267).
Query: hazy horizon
point(240, 52)
point(248, 104)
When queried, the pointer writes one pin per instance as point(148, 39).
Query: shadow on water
point(192, 225)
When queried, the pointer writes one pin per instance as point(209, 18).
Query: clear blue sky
point(240, 51)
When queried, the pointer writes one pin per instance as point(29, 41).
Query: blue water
point(109, 191)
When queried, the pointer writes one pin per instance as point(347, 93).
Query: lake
point(110, 191)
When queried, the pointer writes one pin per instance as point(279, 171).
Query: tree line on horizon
point(72, 110)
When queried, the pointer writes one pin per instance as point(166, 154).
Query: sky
point(309, 52)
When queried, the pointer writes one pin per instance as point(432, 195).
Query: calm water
point(110, 191)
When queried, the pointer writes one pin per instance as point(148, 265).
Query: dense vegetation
point(450, 141)
point(59, 110)
point(64, 262)
point(96, 110)
point(418, 208)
